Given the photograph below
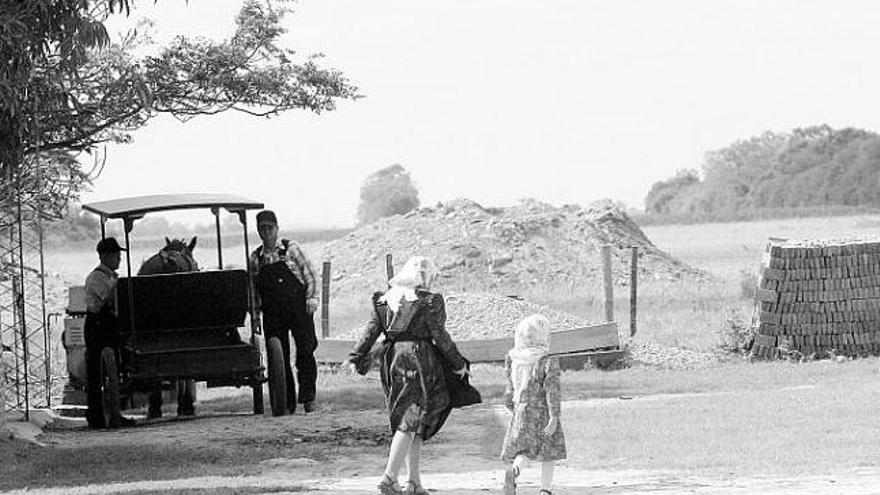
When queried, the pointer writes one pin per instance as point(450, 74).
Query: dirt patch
point(346, 436)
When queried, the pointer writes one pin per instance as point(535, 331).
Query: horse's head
point(178, 255)
point(175, 256)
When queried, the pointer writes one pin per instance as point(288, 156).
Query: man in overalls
point(286, 295)
point(102, 330)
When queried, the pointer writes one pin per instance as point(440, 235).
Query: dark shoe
point(122, 422)
point(186, 412)
point(154, 414)
point(389, 487)
point(510, 475)
point(309, 407)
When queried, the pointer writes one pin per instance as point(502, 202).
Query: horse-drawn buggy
point(177, 324)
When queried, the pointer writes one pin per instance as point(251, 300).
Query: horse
point(175, 257)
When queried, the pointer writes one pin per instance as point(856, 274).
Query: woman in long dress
point(416, 345)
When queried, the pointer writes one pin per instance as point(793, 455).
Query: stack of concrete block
point(819, 297)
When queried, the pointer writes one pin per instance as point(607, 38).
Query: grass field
point(735, 418)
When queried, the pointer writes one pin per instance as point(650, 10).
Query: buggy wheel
point(109, 385)
point(277, 381)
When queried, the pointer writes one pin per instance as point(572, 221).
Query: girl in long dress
point(413, 320)
point(532, 395)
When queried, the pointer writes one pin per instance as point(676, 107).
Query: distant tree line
point(78, 226)
point(807, 169)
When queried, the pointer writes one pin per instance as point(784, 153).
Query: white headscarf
point(418, 273)
point(531, 342)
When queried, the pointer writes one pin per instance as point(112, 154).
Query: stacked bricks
point(819, 297)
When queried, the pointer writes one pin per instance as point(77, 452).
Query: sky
point(565, 101)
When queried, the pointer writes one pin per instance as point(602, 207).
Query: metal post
point(633, 289)
point(216, 212)
point(22, 320)
point(325, 300)
point(47, 347)
point(252, 309)
point(389, 267)
point(609, 288)
point(127, 225)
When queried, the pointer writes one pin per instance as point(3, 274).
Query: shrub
point(737, 333)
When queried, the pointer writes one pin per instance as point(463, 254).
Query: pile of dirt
point(499, 249)
point(475, 316)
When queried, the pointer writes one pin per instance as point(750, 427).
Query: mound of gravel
point(500, 249)
point(475, 316)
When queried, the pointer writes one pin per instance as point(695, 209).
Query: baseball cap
point(266, 217)
point(109, 245)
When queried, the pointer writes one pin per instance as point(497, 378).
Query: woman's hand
point(552, 424)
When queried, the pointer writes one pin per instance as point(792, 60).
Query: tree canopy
point(808, 167)
point(386, 192)
point(73, 89)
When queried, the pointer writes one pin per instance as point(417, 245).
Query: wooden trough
point(576, 347)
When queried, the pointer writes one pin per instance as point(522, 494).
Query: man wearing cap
point(101, 329)
point(286, 294)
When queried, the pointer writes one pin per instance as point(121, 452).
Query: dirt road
point(343, 452)
point(288, 477)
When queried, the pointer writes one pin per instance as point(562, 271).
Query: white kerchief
point(531, 342)
point(418, 273)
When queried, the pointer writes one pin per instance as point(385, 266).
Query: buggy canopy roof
point(137, 206)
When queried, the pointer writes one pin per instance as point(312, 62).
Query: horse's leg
point(154, 410)
point(186, 397)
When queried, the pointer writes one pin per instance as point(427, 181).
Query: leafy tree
point(389, 191)
point(78, 91)
point(663, 193)
point(807, 167)
point(65, 89)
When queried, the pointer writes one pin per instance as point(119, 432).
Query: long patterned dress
point(525, 433)
point(411, 369)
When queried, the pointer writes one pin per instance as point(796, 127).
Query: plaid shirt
point(295, 260)
point(101, 290)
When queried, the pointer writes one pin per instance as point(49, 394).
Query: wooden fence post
point(633, 291)
point(389, 267)
point(609, 289)
point(325, 300)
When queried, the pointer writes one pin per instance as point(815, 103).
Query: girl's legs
point(400, 445)
point(512, 472)
point(412, 460)
point(547, 474)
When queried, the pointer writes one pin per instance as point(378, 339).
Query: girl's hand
point(351, 368)
point(551, 426)
point(462, 372)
